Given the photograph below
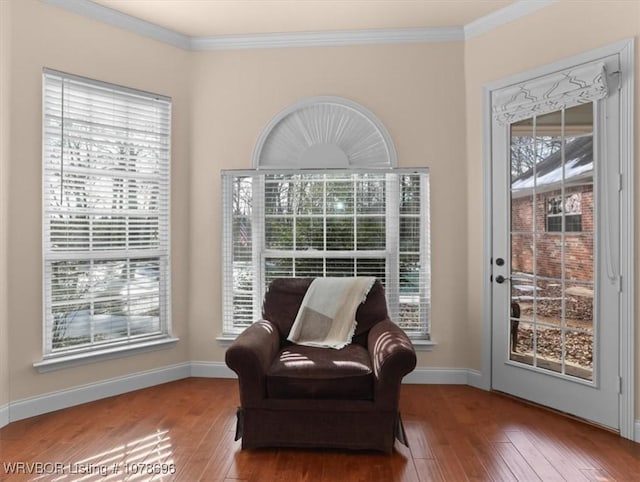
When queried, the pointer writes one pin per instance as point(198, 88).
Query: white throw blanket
point(327, 316)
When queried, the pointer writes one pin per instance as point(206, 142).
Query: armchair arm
point(392, 357)
point(250, 356)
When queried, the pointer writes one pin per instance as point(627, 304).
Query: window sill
point(226, 339)
point(423, 345)
point(107, 353)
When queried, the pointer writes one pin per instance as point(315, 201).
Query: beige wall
point(417, 91)
point(427, 95)
point(561, 30)
point(226, 98)
point(5, 29)
point(46, 36)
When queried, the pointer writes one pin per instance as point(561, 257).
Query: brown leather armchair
point(300, 396)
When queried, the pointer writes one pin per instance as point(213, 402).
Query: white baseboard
point(447, 376)
point(211, 370)
point(475, 379)
point(50, 402)
point(4, 415)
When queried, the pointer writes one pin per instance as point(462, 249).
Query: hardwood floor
point(456, 433)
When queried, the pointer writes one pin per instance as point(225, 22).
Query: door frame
point(625, 50)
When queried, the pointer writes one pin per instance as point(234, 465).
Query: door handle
point(501, 279)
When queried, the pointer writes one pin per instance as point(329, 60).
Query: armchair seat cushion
point(300, 372)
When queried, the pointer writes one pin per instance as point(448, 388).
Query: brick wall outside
point(578, 245)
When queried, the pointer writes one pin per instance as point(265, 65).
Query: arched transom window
point(325, 199)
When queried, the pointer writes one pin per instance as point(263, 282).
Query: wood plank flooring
point(186, 429)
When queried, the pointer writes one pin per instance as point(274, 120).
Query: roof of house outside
point(578, 167)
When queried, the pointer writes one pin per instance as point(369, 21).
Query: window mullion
point(355, 214)
point(91, 299)
point(324, 212)
point(228, 244)
point(425, 257)
point(258, 242)
point(392, 220)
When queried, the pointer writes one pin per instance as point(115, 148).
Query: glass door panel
point(552, 242)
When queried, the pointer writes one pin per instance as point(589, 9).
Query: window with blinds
point(329, 223)
point(106, 215)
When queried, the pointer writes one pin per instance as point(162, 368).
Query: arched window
point(324, 132)
point(325, 199)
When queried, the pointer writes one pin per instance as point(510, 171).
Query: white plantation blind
point(578, 85)
point(327, 223)
point(106, 214)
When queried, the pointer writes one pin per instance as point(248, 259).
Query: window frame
point(391, 251)
point(143, 236)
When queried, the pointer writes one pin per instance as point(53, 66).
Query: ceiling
point(206, 18)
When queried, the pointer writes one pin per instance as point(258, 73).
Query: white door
point(556, 257)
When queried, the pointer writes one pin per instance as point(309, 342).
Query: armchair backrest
point(284, 297)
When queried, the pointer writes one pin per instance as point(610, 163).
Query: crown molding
point(518, 9)
point(118, 19)
point(122, 20)
point(328, 39)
